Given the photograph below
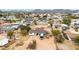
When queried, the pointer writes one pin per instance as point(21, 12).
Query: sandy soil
point(67, 45)
point(45, 44)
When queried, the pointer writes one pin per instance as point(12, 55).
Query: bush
point(32, 45)
point(67, 20)
point(10, 34)
point(19, 44)
point(55, 32)
point(10, 21)
point(24, 29)
point(24, 32)
point(59, 39)
point(77, 40)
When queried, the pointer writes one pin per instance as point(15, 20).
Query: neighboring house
point(11, 18)
point(76, 26)
point(74, 22)
point(2, 18)
point(42, 21)
point(27, 21)
point(57, 19)
point(38, 32)
point(60, 26)
point(56, 26)
point(6, 28)
point(9, 27)
point(76, 14)
point(15, 25)
point(3, 41)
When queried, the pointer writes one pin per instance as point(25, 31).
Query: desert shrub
point(77, 40)
point(32, 45)
point(59, 39)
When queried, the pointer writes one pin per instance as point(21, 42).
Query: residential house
point(64, 26)
point(60, 27)
point(57, 19)
point(9, 27)
point(74, 22)
point(76, 14)
point(2, 18)
point(38, 32)
point(42, 21)
point(27, 21)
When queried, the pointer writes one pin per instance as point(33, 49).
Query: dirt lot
point(67, 45)
point(46, 44)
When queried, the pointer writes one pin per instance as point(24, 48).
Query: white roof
point(3, 41)
point(63, 25)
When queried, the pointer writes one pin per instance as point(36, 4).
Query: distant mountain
point(53, 10)
point(40, 10)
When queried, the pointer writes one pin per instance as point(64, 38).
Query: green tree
point(24, 29)
point(50, 21)
point(67, 21)
point(24, 32)
point(55, 32)
point(59, 39)
point(10, 34)
point(71, 16)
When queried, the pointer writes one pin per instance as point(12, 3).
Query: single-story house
point(60, 26)
point(76, 26)
point(56, 25)
point(27, 21)
point(15, 26)
point(43, 21)
point(76, 14)
point(9, 27)
point(6, 28)
point(2, 18)
point(74, 21)
point(38, 31)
